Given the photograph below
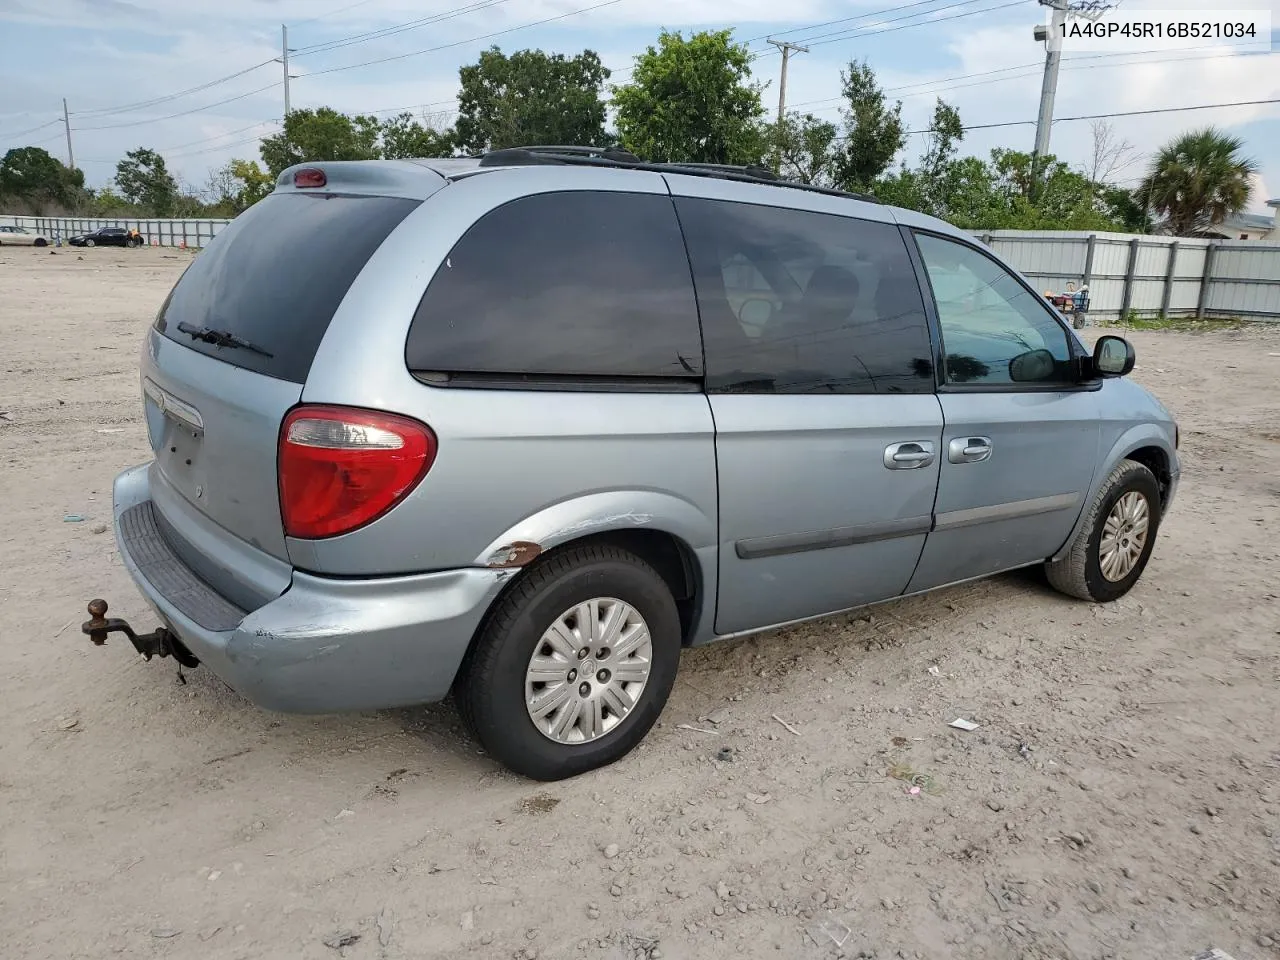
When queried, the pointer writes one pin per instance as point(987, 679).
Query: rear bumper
point(322, 646)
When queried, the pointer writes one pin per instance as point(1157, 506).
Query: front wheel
point(88, 243)
point(41, 242)
point(574, 665)
point(1113, 546)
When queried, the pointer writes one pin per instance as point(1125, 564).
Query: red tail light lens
point(309, 177)
point(341, 467)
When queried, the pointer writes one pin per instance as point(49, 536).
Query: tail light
point(341, 467)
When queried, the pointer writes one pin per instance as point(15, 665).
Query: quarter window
point(574, 284)
point(799, 302)
point(994, 330)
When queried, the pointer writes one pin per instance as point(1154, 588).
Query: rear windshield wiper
point(219, 338)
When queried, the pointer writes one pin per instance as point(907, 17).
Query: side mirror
point(1113, 357)
point(1032, 366)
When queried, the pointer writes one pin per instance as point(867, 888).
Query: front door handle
point(969, 449)
point(911, 455)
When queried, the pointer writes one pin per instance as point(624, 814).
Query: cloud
point(139, 50)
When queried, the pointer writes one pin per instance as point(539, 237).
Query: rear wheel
point(88, 243)
point(41, 242)
point(574, 665)
point(1113, 546)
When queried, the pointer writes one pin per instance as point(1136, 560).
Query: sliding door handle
point(969, 449)
point(910, 455)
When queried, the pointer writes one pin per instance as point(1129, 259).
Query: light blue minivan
point(521, 427)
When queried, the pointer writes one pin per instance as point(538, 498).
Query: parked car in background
point(108, 237)
point(11, 236)
point(523, 427)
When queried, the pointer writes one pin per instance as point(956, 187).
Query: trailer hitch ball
point(158, 643)
point(98, 626)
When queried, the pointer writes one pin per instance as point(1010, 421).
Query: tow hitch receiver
point(158, 643)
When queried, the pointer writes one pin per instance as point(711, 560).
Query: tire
point(1080, 572)
point(88, 243)
point(494, 680)
point(41, 242)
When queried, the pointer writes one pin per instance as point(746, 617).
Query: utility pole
point(786, 49)
point(284, 59)
point(66, 119)
point(1049, 86)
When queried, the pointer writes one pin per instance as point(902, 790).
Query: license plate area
point(178, 441)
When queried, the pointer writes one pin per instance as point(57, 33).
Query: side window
point(994, 331)
point(799, 302)
point(563, 284)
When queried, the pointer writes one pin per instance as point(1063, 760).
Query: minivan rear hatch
point(228, 357)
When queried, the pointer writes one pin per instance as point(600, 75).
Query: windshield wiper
point(219, 338)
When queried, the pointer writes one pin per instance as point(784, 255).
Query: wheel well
point(670, 556)
point(1155, 460)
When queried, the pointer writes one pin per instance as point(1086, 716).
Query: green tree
point(320, 134)
point(404, 137)
point(690, 101)
point(34, 175)
point(252, 183)
point(1127, 207)
point(105, 201)
point(873, 129)
point(804, 148)
point(144, 180)
point(1198, 180)
point(531, 98)
point(938, 165)
point(236, 186)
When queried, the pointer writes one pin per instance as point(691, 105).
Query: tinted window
point(797, 302)
point(989, 320)
point(573, 284)
point(276, 275)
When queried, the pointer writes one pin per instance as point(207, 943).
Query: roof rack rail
point(588, 156)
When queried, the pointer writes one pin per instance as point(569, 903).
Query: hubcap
point(1124, 536)
point(571, 697)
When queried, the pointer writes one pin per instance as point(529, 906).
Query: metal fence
point(158, 233)
point(1150, 276)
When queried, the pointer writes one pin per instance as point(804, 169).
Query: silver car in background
point(521, 427)
point(13, 236)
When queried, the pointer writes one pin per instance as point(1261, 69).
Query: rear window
point(275, 276)
point(582, 287)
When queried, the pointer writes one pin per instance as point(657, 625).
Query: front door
point(1021, 435)
point(821, 387)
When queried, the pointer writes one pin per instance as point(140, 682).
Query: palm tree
point(1198, 180)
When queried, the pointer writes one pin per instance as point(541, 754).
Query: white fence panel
point(1150, 276)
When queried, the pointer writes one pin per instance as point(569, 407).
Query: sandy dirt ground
point(1121, 798)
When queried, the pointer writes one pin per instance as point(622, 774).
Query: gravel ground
point(1120, 798)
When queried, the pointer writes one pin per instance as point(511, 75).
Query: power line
point(219, 146)
point(835, 38)
point(1035, 67)
point(350, 6)
point(229, 133)
point(184, 113)
point(1104, 116)
point(23, 133)
point(459, 43)
point(156, 101)
point(828, 23)
point(395, 29)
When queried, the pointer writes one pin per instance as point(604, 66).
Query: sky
point(120, 63)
